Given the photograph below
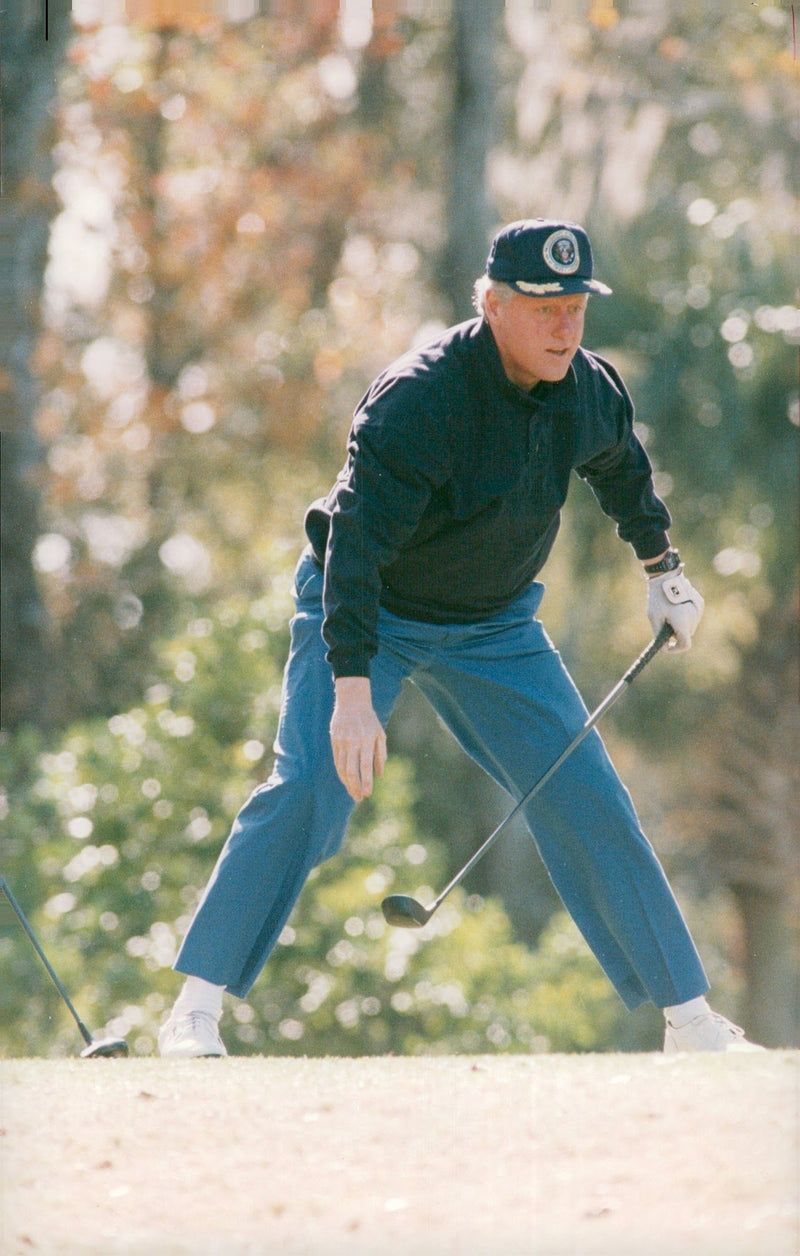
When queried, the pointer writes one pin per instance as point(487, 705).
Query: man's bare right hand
point(357, 737)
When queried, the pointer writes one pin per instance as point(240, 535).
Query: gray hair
point(483, 285)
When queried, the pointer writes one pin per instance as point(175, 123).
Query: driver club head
point(104, 1048)
point(405, 911)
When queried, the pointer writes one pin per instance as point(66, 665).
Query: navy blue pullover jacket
point(450, 499)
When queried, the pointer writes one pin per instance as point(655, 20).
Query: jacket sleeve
point(621, 477)
point(397, 456)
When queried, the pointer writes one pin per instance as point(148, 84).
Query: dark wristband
point(670, 562)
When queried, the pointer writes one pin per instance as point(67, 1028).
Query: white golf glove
point(673, 599)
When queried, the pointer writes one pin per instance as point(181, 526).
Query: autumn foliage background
point(218, 228)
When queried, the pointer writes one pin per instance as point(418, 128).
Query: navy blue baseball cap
point(541, 257)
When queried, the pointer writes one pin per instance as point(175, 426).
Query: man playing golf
point(422, 564)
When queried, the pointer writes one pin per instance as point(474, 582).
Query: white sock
point(681, 1013)
point(199, 995)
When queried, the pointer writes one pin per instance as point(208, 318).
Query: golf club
point(95, 1048)
point(407, 912)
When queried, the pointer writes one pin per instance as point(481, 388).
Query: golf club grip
point(660, 640)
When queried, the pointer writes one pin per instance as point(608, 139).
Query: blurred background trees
point(253, 217)
point(27, 205)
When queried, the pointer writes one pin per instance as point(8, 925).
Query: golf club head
point(405, 911)
point(103, 1048)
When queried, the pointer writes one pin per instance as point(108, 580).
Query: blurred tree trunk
point(513, 870)
point(30, 59)
point(770, 1008)
point(743, 815)
point(469, 214)
point(472, 804)
point(456, 798)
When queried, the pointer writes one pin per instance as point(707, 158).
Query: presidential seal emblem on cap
point(561, 252)
point(540, 257)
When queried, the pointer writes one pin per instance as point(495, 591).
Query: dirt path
point(614, 1155)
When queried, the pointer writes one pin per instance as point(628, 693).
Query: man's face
point(536, 337)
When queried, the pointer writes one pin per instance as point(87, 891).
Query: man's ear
point(490, 304)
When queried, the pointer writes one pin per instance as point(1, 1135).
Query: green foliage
point(111, 832)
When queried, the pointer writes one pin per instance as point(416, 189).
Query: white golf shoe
point(189, 1036)
point(707, 1032)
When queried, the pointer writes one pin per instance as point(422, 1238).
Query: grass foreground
point(543, 1155)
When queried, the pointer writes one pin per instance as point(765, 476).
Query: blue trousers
point(502, 689)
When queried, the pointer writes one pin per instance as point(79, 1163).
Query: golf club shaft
point(87, 1037)
point(633, 671)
